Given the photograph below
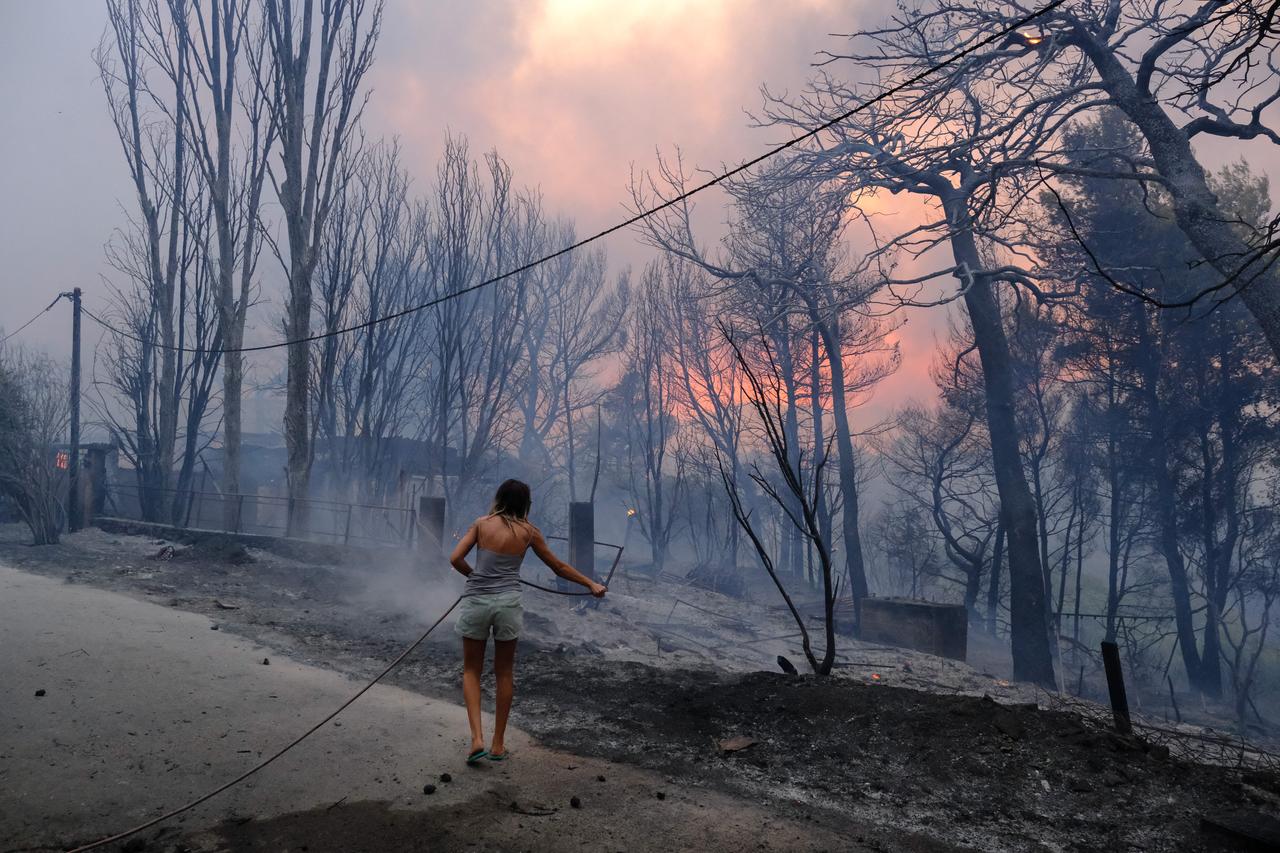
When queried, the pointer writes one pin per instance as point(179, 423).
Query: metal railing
point(536, 571)
point(330, 522)
point(269, 515)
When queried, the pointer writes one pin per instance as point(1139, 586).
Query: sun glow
point(570, 32)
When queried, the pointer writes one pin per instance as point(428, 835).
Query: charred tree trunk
point(1116, 512)
point(316, 75)
point(1061, 603)
point(1032, 656)
point(792, 562)
point(221, 61)
point(572, 459)
point(854, 566)
point(1075, 628)
point(1042, 522)
point(231, 319)
point(1221, 510)
point(170, 392)
point(972, 586)
point(819, 432)
point(1166, 505)
point(1167, 512)
point(993, 584)
point(297, 433)
point(232, 394)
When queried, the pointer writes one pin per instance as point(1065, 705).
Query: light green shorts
point(499, 611)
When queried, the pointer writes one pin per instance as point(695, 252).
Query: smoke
point(407, 583)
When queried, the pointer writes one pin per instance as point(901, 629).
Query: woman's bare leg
point(472, 667)
point(504, 664)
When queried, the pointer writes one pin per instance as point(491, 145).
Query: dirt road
point(145, 707)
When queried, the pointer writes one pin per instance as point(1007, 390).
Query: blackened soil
point(966, 770)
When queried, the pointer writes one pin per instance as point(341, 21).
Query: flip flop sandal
point(501, 756)
point(477, 756)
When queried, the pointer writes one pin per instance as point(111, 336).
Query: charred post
point(431, 512)
point(1115, 688)
point(582, 538)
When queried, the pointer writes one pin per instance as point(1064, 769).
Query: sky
point(572, 93)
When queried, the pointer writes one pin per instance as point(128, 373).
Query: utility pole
point(73, 458)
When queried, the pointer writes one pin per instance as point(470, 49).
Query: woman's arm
point(458, 559)
point(560, 567)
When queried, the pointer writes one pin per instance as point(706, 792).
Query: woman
point(491, 601)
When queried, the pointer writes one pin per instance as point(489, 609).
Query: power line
point(626, 223)
point(6, 338)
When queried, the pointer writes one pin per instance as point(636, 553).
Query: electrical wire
point(626, 223)
point(120, 836)
point(6, 338)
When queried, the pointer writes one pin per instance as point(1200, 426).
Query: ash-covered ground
point(895, 740)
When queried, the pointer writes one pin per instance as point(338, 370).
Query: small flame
point(630, 513)
point(1033, 40)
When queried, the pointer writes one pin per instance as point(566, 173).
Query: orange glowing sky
point(574, 92)
point(571, 92)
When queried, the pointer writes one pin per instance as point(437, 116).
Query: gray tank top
point(494, 572)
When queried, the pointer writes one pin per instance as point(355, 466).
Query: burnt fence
point(267, 515)
point(326, 522)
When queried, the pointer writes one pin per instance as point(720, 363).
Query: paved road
point(146, 707)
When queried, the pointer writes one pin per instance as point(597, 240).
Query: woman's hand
point(561, 568)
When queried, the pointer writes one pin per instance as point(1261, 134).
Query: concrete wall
point(939, 629)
